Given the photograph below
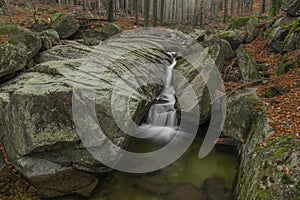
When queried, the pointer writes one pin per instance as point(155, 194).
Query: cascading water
point(162, 124)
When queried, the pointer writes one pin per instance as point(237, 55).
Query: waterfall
point(162, 124)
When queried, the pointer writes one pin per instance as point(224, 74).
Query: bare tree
point(110, 13)
point(136, 12)
point(162, 10)
point(225, 11)
point(262, 7)
point(154, 13)
point(146, 13)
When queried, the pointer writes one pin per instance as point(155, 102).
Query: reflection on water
point(187, 178)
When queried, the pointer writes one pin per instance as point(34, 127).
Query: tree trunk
point(232, 7)
point(239, 7)
point(262, 7)
point(110, 16)
point(136, 12)
point(202, 13)
point(146, 13)
point(162, 6)
point(225, 11)
point(154, 13)
point(275, 7)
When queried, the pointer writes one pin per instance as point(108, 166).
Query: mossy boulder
point(292, 7)
point(63, 52)
point(234, 37)
point(240, 22)
point(51, 36)
point(283, 65)
point(241, 114)
point(284, 36)
point(64, 24)
point(18, 50)
point(36, 116)
point(224, 45)
point(93, 37)
point(246, 65)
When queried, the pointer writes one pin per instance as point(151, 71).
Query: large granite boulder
point(246, 65)
point(21, 45)
point(224, 45)
point(64, 24)
point(95, 36)
point(240, 114)
point(234, 37)
point(36, 121)
point(63, 52)
point(283, 36)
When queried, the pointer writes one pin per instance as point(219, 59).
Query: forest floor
point(283, 109)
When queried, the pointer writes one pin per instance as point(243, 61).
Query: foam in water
point(162, 124)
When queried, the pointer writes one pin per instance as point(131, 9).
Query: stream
point(187, 178)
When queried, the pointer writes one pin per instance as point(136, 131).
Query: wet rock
point(54, 180)
point(246, 65)
point(292, 7)
point(49, 148)
point(19, 49)
point(153, 184)
point(183, 190)
point(216, 189)
point(64, 24)
point(63, 52)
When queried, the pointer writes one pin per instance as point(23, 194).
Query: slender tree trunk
point(196, 12)
point(239, 7)
point(262, 7)
point(154, 13)
point(162, 6)
point(225, 11)
point(146, 13)
point(232, 7)
point(202, 13)
point(136, 12)
point(251, 6)
point(110, 16)
point(275, 7)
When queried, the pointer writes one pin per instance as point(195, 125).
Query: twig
point(244, 85)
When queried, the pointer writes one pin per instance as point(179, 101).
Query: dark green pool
point(187, 178)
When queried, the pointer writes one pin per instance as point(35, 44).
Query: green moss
point(272, 92)
point(261, 194)
point(240, 22)
point(282, 65)
point(224, 34)
point(291, 27)
point(297, 191)
point(286, 179)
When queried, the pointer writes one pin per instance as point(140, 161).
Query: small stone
point(279, 168)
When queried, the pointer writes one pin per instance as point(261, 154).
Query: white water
point(161, 124)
